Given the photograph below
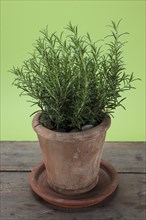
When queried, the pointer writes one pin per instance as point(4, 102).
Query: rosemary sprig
point(71, 80)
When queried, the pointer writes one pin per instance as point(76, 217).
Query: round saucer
point(107, 183)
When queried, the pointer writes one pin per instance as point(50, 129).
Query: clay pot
point(72, 159)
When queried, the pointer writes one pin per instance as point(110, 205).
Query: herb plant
point(72, 80)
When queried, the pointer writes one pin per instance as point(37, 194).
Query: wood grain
point(20, 203)
point(124, 156)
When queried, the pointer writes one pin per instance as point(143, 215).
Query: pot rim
point(60, 136)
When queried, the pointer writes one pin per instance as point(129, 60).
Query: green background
point(20, 25)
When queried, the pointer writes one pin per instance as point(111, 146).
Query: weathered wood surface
point(18, 202)
point(124, 156)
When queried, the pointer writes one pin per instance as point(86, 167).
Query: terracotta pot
point(72, 159)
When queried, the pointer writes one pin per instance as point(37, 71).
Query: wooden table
point(18, 202)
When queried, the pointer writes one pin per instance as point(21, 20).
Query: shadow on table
point(104, 203)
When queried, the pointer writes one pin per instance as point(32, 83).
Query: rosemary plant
point(71, 80)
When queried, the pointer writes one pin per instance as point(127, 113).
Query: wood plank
point(124, 156)
point(18, 202)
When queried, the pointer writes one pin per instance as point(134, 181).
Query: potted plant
point(77, 87)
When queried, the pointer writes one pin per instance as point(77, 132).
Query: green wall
point(20, 25)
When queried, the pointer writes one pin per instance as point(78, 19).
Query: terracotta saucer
point(108, 182)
